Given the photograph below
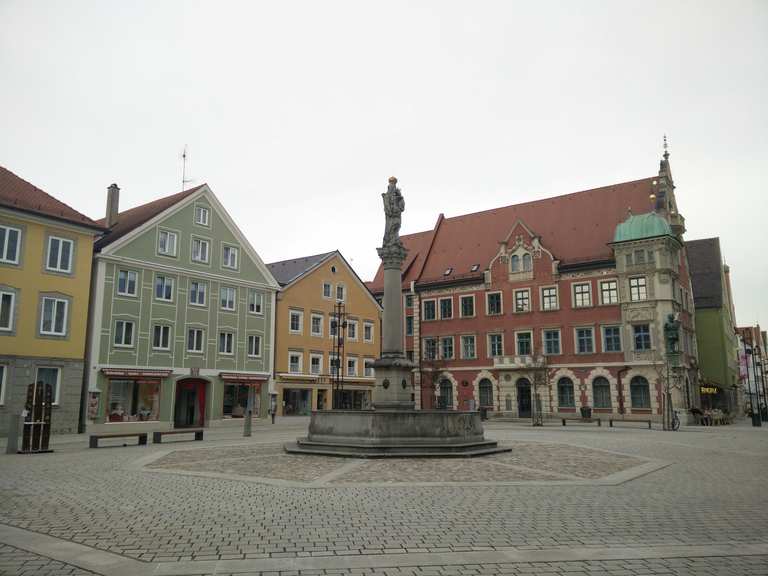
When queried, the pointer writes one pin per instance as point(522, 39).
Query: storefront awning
point(240, 378)
point(134, 373)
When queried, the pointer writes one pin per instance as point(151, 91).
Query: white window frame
point(163, 328)
point(11, 312)
point(576, 340)
point(122, 343)
point(3, 255)
point(424, 308)
point(600, 287)
point(350, 336)
point(300, 315)
point(166, 281)
point(229, 338)
point(462, 297)
point(368, 370)
point(589, 293)
point(368, 327)
point(650, 337)
point(474, 346)
point(256, 300)
point(200, 350)
point(331, 358)
point(328, 285)
point(57, 302)
point(171, 234)
point(128, 282)
point(203, 241)
point(204, 292)
point(233, 301)
point(320, 358)
point(343, 292)
point(249, 351)
point(225, 261)
point(603, 339)
point(644, 288)
point(331, 332)
point(300, 356)
point(441, 349)
point(57, 387)
point(488, 303)
point(489, 344)
point(544, 341)
point(425, 347)
point(440, 308)
point(517, 342)
point(58, 267)
point(353, 361)
point(200, 211)
point(312, 317)
point(542, 300)
point(514, 300)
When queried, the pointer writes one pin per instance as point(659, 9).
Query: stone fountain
point(394, 428)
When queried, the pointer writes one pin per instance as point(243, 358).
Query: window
point(637, 289)
point(326, 289)
point(296, 321)
point(642, 336)
point(549, 298)
point(195, 340)
point(53, 320)
point(228, 297)
point(582, 295)
point(468, 347)
point(639, 256)
point(565, 397)
point(255, 302)
point(59, 254)
point(496, 345)
point(628, 259)
point(3, 371)
point(49, 376)
point(316, 328)
point(430, 349)
point(368, 331)
point(640, 392)
point(611, 339)
point(294, 362)
point(601, 392)
point(522, 300)
point(340, 292)
point(467, 306)
point(651, 257)
point(448, 272)
point(7, 301)
point(514, 263)
point(161, 337)
point(315, 364)
point(409, 325)
point(229, 259)
point(551, 342)
point(201, 215)
point(164, 288)
point(197, 293)
point(368, 368)
point(409, 300)
point(126, 282)
point(609, 292)
point(166, 243)
point(226, 343)
point(446, 308)
point(486, 392)
point(446, 347)
point(493, 303)
point(430, 311)
point(124, 333)
point(352, 329)
point(333, 325)
point(333, 364)
point(133, 400)
point(352, 367)
point(527, 263)
point(445, 400)
point(524, 343)
point(10, 239)
point(200, 250)
point(584, 341)
point(474, 268)
point(254, 346)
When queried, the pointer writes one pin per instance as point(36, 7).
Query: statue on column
point(394, 205)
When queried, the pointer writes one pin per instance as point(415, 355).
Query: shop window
point(134, 400)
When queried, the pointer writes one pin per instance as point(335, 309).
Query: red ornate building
point(563, 299)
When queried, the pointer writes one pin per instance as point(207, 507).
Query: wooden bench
point(93, 440)
point(584, 420)
point(157, 437)
point(633, 420)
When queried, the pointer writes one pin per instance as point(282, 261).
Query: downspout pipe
point(620, 389)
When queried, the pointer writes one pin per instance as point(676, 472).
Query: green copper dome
point(642, 226)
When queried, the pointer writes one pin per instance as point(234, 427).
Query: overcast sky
point(296, 113)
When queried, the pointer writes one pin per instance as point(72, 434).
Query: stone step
point(395, 450)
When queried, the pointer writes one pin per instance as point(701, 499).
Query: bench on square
point(157, 437)
point(584, 420)
point(633, 421)
point(93, 440)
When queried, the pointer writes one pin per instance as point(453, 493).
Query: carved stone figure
point(394, 204)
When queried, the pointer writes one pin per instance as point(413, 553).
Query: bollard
point(12, 447)
point(247, 423)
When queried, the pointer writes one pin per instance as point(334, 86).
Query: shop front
point(237, 388)
point(189, 407)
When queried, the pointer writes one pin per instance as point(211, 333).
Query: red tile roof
point(134, 217)
point(18, 194)
point(575, 227)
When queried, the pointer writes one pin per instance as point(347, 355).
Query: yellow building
point(324, 313)
point(46, 249)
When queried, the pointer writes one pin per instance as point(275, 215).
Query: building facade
point(182, 317)
point(550, 306)
point(327, 336)
point(46, 249)
point(752, 344)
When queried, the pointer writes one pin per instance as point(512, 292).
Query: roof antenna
point(184, 180)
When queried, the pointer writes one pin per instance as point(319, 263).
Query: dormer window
point(515, 263)
point(475, 268)
point(527, 263)
point(448, 272)
point(521, 263)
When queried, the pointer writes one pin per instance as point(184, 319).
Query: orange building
point(327, 335)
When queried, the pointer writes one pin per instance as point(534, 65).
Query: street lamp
point(756, 419)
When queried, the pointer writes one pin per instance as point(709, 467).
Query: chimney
point(113, 205)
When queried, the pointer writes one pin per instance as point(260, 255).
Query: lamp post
point(672, 337)
point(756, 420)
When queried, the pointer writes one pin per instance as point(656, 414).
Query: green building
point(181, 318)
point(715, 326)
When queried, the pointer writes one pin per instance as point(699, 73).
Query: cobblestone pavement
point(712, 493)
point(17, 562)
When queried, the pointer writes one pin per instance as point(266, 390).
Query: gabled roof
point(705, 264)
point(286, 271)
point(18, 194)
point(130, 219)
point(576, 227)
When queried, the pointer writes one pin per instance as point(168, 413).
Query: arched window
point(508, 402)
point(601, 392)
point(565, 397)
point(446, 394)
point(640, 392)
point(486, 393)
point(515, 263)
point(527, 264)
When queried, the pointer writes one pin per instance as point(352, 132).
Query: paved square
point(544, 508)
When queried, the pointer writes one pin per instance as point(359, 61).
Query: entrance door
point(523, 398)
point(190, 404)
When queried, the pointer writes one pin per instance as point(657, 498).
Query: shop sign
point(709, 390)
